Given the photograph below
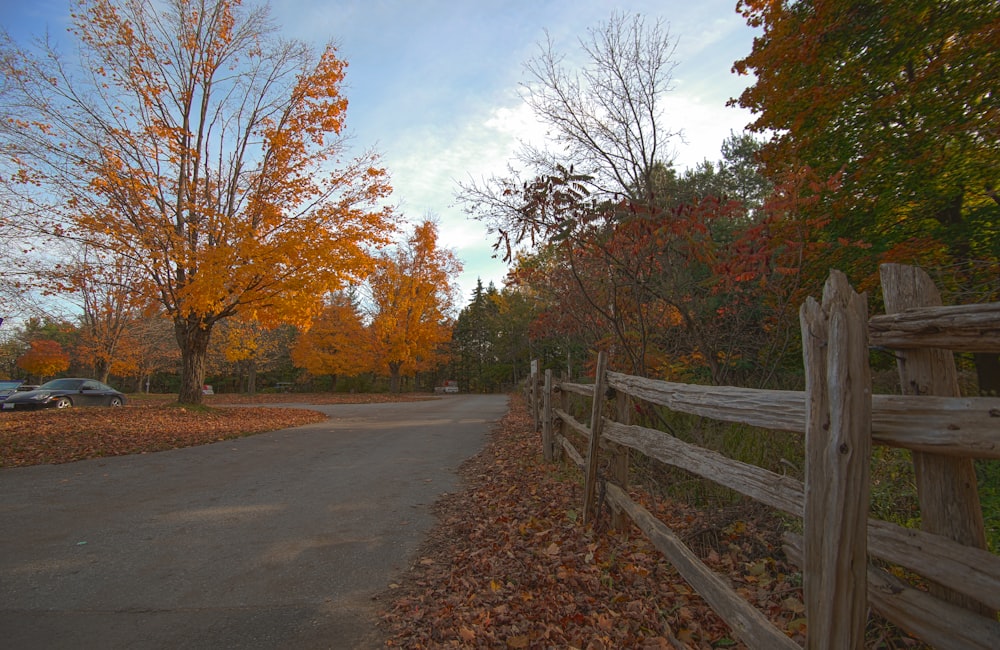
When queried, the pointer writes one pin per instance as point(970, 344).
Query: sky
point(433, 86)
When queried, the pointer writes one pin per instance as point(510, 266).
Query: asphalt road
point(279, 540)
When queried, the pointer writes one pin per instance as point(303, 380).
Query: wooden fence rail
point(840, 420)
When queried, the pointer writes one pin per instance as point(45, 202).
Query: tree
point(628, 248)
point(246, 348)
point(897, 96)
point(337, 342)
point(152, 349)
point(896, 101)
point(195, 143)
point(475, 338)
point(412, 294)
point(111, 305)
point(607, 116)
point(492, 348)
point(44, 359)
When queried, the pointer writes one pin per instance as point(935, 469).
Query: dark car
point(63, 393)
point(8, 388)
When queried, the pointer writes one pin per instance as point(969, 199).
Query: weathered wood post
point(596, 425)
point(547, 416)
point(838, 453)
point(620, 459)
point(946, 485)
point(557, 452)
point(533, 394)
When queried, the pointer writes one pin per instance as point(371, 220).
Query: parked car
point(8, 388)
point(64, 393)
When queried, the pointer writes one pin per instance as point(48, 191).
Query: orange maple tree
point(44, 359)
point(412, 295)
point(245, 347)
point(337, 342)
point(107, 291)
point(197, 144)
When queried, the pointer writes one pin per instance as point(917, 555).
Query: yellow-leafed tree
point(412, 296)
point(192, 140)
point(44, 359)
point(245, 348)
point(337, 343)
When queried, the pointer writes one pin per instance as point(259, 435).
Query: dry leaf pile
point(156, 423)
point(64, 436)
point(511, 565)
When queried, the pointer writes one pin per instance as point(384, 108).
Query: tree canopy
point(336, 343)
point(191, 140)
point(897, 101)
point(411, 299)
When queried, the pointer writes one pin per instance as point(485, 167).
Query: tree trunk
point(252, 377)
point(101, 370)
point(193, 335)
point(394, 376)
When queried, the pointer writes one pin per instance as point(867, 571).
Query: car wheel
point(115, 401)
point(63, 403)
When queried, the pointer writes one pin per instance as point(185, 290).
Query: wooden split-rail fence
point(841, 547)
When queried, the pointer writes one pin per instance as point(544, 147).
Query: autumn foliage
point(337, 342)
point(411, 297)
point(195, 143)
point(896, 101)
point(151, 424)
point(44, 359)
point(512, 566)
point(400, 327)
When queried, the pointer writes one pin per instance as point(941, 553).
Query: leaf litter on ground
point(158, 423)
point(510, 565)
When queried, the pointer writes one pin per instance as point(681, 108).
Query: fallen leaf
point(793, 604)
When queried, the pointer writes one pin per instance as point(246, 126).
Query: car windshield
point(62, 384)
point(8, 385)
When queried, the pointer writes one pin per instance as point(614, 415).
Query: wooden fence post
point(838, 453)
point(533, 395)
point(547, 416)
point(564, 406)
point(946, 485)
point(596, 425)
point(620, 460)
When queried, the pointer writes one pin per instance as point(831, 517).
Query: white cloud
point(428, 164)
point(706, 124)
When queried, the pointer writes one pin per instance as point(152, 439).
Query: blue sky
point(432, 85)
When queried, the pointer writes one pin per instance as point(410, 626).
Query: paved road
point(278, 540)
